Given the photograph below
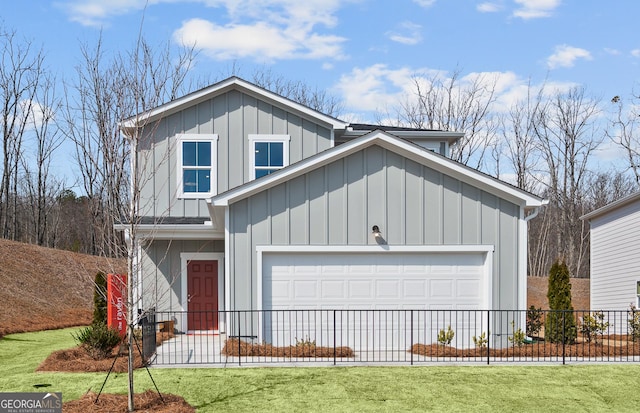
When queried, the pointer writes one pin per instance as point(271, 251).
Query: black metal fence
point(397, 336)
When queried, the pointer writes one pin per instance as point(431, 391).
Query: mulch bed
point(77, 360)
point(235, 347)
point(532, 350)
point(148, 401)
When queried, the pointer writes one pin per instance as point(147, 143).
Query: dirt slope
point(44, 288)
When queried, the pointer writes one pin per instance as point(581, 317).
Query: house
point(615, 258)
point(251, 201)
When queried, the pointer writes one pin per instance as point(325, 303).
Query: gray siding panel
point(413, 198)
point(338, 203)
point(394, 188)
point(451, 211)
point(433, 215)
point(356, 198)
point(317, 208)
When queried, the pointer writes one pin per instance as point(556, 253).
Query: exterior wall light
point(376, 231)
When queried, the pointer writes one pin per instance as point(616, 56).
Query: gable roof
point(394, 144)
point(612, 206)
point(232, 83)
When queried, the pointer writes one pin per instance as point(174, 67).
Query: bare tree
point(106, 91)
point(21, 70)
point(41, 186)
point(518, 133)
point(298, 91)
point(567, 134)
point(626, 134)
point(458, 104)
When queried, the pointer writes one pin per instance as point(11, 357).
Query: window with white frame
point(268, 153)
point(197, 155)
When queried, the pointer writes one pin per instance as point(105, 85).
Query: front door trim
point(185, 257)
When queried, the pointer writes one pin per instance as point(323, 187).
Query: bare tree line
point(546, 142)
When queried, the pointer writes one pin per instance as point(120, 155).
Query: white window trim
point(193, 137)
point(253, 138)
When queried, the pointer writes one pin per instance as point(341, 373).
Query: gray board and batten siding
point(337, 204)
point(233, 116)
point(615, 255)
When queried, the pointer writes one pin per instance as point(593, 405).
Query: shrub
point(634, 322)
point(98, 340)
point(518, 336)
point(481, 341)
point(534, 321)
point(560, 325)
point(446, 337)
point(593, 326)
point(100, 299)
point(305, 342)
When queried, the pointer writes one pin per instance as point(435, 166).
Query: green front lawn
point(530, 388)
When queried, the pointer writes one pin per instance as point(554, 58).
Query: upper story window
point(268, 153)
point(197, 155)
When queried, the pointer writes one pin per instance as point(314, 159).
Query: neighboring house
point(615, 254)
point(251, 201)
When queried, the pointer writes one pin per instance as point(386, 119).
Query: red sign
point(116, 302)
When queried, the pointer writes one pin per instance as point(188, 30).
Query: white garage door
point(368, 281)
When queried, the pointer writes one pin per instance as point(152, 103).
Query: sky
point(364, 52)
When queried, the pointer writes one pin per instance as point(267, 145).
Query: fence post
point(239, 346)
point(488, 335)
point(563, 337)
point(334, 337)
point(411, 346)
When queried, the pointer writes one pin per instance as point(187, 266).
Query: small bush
point(593, 326)
point(634, 322)
point(98, 340)
point(446, 337)
point(481, 341)
point(518, 336)
point(534, 321)
point(307, 342)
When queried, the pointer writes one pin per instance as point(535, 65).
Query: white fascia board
point(221, 87)
point(176, 231)
point(612, 206)
point(394, 144)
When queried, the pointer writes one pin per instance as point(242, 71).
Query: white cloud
point(379, 88)
point(375, 87)
point(411, 34)
point(566, 56)
point(489, 7)
point(532, 9)
point(262, 29)
point(425, 3)
point(97, 12)
point(261, 40)
point(612, 52)
point(635, 53)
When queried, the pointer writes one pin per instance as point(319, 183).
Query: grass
point(531, 388)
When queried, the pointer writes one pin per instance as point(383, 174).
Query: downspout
point(527, 218)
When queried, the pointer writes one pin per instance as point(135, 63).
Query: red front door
point(202, 295)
